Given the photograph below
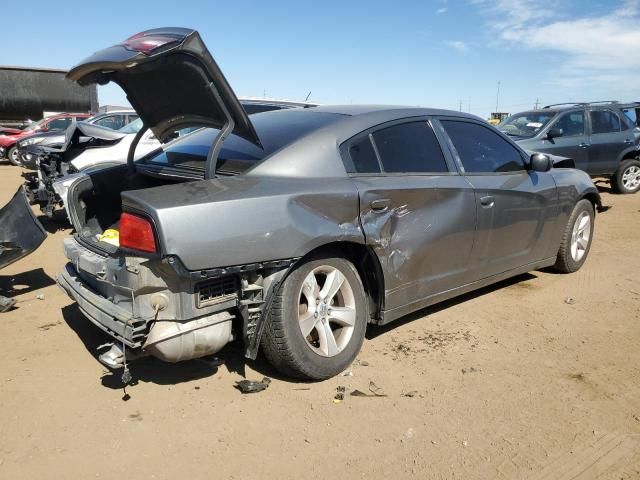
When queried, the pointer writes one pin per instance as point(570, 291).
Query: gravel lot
point(536, 377)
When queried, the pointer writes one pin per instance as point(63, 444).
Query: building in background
point(28, 93)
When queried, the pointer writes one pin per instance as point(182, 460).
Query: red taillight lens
point(147, 45)
point(136, 233)
point(148, 41)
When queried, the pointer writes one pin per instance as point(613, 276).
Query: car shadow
point(25, 282)
point(375, 330)
point(152, 370)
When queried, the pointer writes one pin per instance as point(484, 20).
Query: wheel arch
point(368, 266)
point(595, 199)
point(629, 154)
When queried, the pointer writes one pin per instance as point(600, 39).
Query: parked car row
point(291, 230)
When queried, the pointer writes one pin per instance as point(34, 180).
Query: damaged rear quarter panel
point(240, 220)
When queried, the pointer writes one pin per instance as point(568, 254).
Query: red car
point(9, 137)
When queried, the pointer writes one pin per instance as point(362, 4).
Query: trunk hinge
point(132, 148)
point(216, 146)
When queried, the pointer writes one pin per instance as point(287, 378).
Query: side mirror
point(554, 133)
point(44, 129)
point(540, 162)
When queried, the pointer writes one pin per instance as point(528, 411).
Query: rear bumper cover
point(20, 231)
point(114, 320)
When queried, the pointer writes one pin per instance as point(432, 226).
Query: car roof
point(398, 111)
point(116, 112)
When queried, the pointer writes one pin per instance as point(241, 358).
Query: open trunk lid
point(20, 232)
point(171, 80)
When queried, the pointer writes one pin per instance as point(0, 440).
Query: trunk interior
point(95, 204)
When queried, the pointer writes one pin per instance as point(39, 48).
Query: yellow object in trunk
point(111, 237)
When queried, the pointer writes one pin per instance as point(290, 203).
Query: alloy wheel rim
point(14, 155)
point(326, 311)
point(631, 177)
point(580, 236)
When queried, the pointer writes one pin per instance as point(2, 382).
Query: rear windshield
point(276, 129)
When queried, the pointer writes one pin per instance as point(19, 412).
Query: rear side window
point(59, 123)
point(481, 150)
point(604, 121)
point(114, 122)
point(572, 124)
point(410, 148)
point(363, 156)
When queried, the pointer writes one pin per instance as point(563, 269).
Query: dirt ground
point(537, 377)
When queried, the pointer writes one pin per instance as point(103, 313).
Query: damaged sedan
point(293, 230)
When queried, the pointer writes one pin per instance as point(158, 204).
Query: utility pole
point(469, 106)
point(460, 105)
point(498, 96)
point(537, 104)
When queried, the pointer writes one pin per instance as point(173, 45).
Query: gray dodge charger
point(292, 230)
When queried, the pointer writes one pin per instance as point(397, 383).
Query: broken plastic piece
point(252, 386)
point(6, 303)
point(376, 390)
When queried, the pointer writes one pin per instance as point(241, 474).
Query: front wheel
point(317, 320)
point(627, 177)
point(576, 240)
point(14, 156)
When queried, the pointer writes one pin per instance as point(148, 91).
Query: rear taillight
point(136, 233)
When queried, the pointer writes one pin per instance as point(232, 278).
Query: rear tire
point(577, 237)
point(317, 321)
point(627, 177)
point(14, 156)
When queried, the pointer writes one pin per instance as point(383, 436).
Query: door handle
point(487, 201)
point(628, 142)
point(584, 145)
point(380, 204)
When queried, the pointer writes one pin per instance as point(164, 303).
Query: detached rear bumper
point(114, 320)
point(20, 231)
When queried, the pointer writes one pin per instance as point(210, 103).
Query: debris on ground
point(252, 386)
point(362, 363)
point(569, 301)
point(376, 390)
point(40, 296)
point(347, 373)
point(6, 303)
point(410, 394)
point(470, 370)
point(339, 396)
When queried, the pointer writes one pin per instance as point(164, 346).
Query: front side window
point(571, 124)
point(410, 148)
point(604, 121)
point(481, 150)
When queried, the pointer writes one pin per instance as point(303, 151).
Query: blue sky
point(431, 53)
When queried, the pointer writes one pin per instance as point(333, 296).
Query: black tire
point(565, 262)
point(13, 156)
point(283, 342)
point(617, 180)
